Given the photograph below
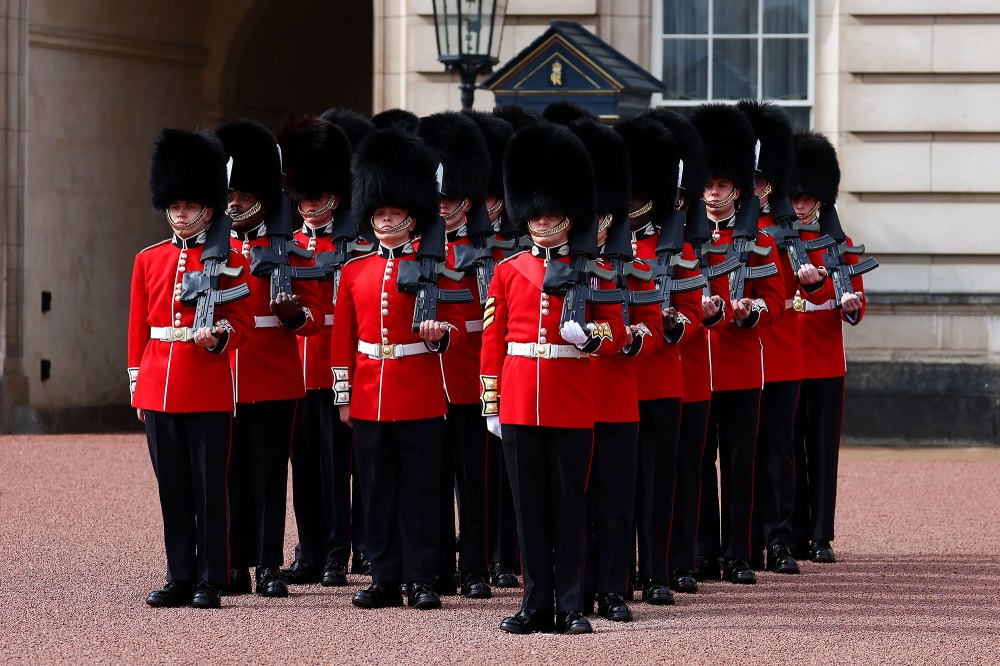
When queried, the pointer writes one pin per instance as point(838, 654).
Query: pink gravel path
point(918, 538)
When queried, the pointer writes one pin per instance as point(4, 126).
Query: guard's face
point(449, 209)
point(718, 190)
point(491, 202)
point(804, 206)
point(392, 225)
point(239, 203)
point(543, 223)
point(759, 187)
point(188, 218)
point(309, 207)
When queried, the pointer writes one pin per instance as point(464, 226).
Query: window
point(722, 50)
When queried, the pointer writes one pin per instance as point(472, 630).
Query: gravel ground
point(918, 581)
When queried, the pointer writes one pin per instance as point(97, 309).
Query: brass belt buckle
point(543, 350)
point(178, 334)
point(387, 351)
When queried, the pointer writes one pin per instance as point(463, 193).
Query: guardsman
point(357, 127)
point(267, 369)
point(387, 377)
point(461, 149)
point(613, 470)
point(735, 349)
point(654, 158)
point(317, 165)
point(537, 379)
point(502, 536)
point(821, 400)
point(179, 376)
point(695, 368)
point(775, 467)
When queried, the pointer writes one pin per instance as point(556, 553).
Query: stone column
point(13, 121)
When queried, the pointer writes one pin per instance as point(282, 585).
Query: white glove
point(573, 333)
point(493, 424)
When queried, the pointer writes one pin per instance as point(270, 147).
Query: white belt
point(537, 350)
point(171, 334)
point(389, 352)
point(474, 326)
point(266, 322)
point(829, 305)
point(789, 303)
point(328, 320)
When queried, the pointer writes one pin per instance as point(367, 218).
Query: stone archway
point(296, 56)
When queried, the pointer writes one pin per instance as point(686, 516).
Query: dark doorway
point(301, 56)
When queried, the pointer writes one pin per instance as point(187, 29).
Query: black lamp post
point(468, 39)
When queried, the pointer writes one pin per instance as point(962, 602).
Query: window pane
point(784, 16)
point(685, 69)
point(799, 117)
point(734, 68)
point(685, 17)
point(735, 17)
point(786, 68)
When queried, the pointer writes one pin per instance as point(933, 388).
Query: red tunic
point(660, 375)
point(371, 309)
point(620, 404)
point(265, 367)
point(694, 350)
point(822, 330)
point(556, 392)
point(180, 376)
point(460, 366)
point(781, 341)
point(314, 351)
point(735, 353)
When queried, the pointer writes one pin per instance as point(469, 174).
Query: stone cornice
point(117, 47)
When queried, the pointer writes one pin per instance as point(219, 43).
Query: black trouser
point(190, 456)
point(611, 507)
point(817, 450)
point(500, 506)
point(732, 435)
point(358, 544)
point(258, 482)
point(399, 467)
point(774, 485)
point(466, 434)
point(548, 470)
point(445, 565)
point(321, 480)
point(659, 429)
point(687, 492)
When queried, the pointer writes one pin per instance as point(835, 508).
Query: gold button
point(180, 269)
point(545, 311)
point(385, 312)
point(542, 340)
point(385, 341)
point(543, 331)
point(385, 331)
point(184, 255)
point(390, 263)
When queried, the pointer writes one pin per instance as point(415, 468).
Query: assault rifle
point(743, 246)
point(697, 234)
point(477, 257)
point(835, 258)
point(420, 277)
point(572, 281)
point(202, 287)
point(272, 261)
point(345, 246)
point(786, 233)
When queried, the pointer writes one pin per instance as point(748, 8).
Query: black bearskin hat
point(612, 177)
point(817, 171)
point(729, 144)
point(256, 161)
point(188, 166)
point(692, 151)
point(547, 170)
point(653, 155)
point(355, 125)
point(400, 119)
point(497, 133)
point(393, 167)
point(317, 159)
point(461, 149)
point(773, 129)
point(517, 115)
point(566, 112)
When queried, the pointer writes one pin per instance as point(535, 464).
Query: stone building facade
point(907, 89)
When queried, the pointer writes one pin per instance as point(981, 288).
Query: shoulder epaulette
point(513, 256)
point(165, 240)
